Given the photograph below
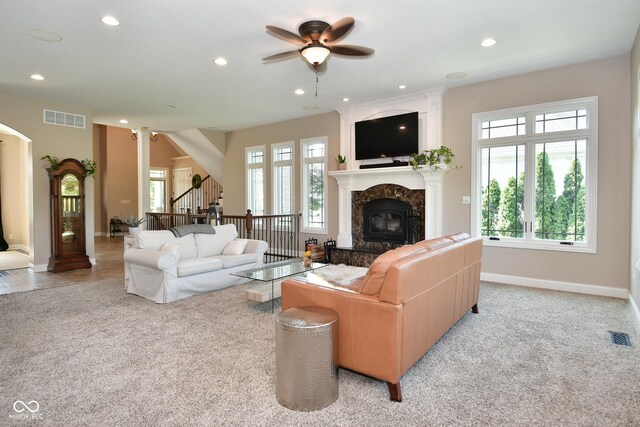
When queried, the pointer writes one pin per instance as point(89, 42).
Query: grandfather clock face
point(70, 215)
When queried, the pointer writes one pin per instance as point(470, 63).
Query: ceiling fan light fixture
point(315, 55)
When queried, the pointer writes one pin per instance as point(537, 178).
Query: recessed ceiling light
point(45, 36)
point(124, 121)
point(110, 20)
point(220, 61)
point(402, 87)
point(37, 77)
point(170, 107)
point(487, 42)
point(345, 99)
point(299, 92)
point(457, 75)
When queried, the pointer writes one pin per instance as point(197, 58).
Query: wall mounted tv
point(392, 136)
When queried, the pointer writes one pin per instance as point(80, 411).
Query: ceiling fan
point(316, 41)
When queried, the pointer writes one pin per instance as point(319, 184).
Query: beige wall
point(291, 130)
point(635, 143)
point(14, 189)
point(24, 114)
point(609, 80)
point(119, 176)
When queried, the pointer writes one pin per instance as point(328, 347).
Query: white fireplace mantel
point(359, 180)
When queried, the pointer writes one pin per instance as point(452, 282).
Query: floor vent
point(63, 119)
point(620, 338)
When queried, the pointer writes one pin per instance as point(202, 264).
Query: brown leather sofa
point(409, 298)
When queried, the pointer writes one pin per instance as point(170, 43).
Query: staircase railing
point(281, 232)
point(196, 198)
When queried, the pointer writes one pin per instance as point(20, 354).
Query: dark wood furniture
point(68, 240)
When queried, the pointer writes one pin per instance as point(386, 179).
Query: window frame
point(304, 201)
point(248, 168)
point(275, 164)
point(530, 140)
point(165, 173)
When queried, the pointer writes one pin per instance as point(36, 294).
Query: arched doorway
point(15, 198)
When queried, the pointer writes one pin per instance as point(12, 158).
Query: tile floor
point(108, 264)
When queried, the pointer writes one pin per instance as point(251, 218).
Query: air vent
point(620, 338)
point(63, 119)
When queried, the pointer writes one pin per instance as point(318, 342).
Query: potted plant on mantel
point(435, 158)
point(342, 162)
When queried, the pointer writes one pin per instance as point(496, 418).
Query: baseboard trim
point(634, 307)
point(579, 288)
point(39, 268)
point(21, 248)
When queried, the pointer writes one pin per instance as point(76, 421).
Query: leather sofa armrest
point(256, 246)
point(165, 261)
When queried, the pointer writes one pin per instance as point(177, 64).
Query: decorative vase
point(342, 166)
point(307, 261)
point(134, 230)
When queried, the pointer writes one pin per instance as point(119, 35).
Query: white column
point(144, 160)
point(345, 240)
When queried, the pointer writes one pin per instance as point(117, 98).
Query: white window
point(535, 176)
point(282, 173)
point(254, 163)
point(158, 189)
point(314, 189)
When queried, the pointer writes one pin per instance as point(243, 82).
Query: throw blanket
point(183, 230)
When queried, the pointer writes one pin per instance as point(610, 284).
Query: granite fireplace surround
point(382, 191)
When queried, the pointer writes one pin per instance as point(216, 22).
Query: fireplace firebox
point(388, 220)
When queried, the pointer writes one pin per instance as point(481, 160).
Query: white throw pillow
point(173, 248)
point(235, 247)
point(188, 249)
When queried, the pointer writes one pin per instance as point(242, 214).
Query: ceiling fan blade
point(338, 30)
point(351, 50)
point(282, 56)
point(286, 35)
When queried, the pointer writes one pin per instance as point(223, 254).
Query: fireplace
point(387, 220)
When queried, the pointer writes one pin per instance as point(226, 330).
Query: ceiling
point(162, 53)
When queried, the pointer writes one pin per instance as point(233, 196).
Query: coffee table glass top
point(278, 270)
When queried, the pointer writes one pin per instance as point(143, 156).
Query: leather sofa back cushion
point(188, 249)
point(152, 239)
point(374, 278)
point(213, 244)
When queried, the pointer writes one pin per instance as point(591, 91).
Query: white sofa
point(165, 268)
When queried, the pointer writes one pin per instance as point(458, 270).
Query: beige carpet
point(90, 354)
point(11, 260)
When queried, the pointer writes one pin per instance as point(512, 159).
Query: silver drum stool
point(306, 354)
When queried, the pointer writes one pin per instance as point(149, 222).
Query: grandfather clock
point(68, 243)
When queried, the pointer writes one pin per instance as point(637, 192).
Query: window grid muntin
point(578, 116)
point(255, 175)
point(502, 126)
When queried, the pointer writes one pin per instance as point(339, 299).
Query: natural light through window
point(314, 177)
point(535, 176)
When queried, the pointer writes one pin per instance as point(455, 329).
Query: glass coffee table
point(271, 273)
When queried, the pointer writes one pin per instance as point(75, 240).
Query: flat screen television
point(392, 136)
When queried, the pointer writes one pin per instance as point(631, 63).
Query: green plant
point(434, 158)
point(133, 221)
point(53, 161)
point(89, 166)
point(341, 159)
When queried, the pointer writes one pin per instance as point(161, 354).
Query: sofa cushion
point(235, 247)
point(373, 280)
point(214, 244)
point(434, 244)
point(188, 250)
point(198, 265)
point(458, 237)
point(152, 239)
point(229, 261)
point(172, 248)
